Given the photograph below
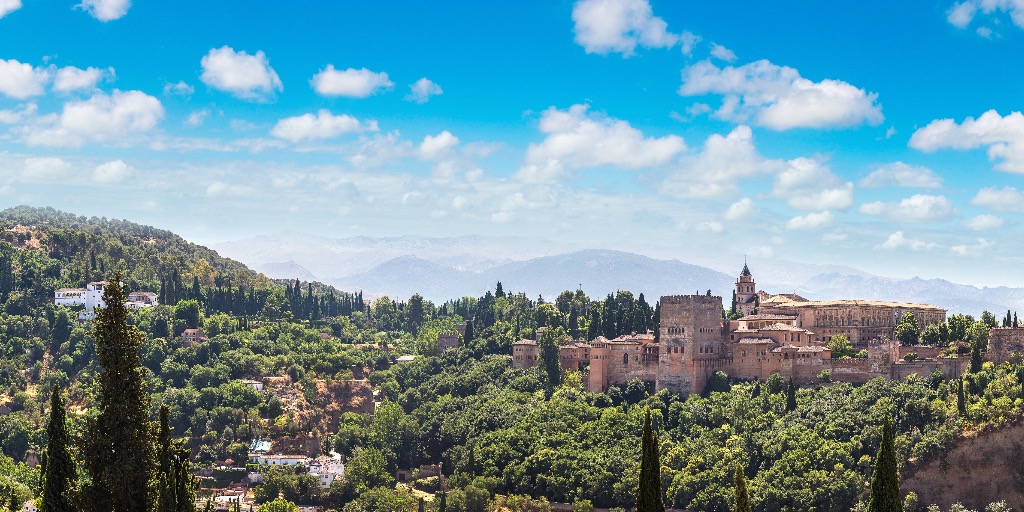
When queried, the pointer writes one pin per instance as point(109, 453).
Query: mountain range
point(446, 268)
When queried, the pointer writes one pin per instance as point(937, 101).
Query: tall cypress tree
point(742, 497)
point(976, 361)
point(885, 482)
point(60, 476)
point(442, 505)
point(791, 396)
point(648, 494)
point(961, 400)
point(167, 498)
point(119, 443)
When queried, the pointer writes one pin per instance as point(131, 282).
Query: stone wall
point(1005, 344)
point(692, 342)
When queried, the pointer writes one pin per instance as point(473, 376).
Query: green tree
point(118, 447)
point(442, 503)
point(885, 482)
point(61, 476)
point(961, 400)
point(791, 396)
point(742, 503)
point(279, 505)
point(907, 331)
point(648, 495)
point(167, 498)
point(549, 355)
point(189, 312)
point(976, 360)
point(840, 346)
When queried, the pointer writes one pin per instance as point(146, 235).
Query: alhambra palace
point(785, 334)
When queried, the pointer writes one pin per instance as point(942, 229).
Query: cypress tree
point(469, 332)
point(167, 496)
point(648, 494)
point(118, 446)
point(975, 358)
point(742, 497)
point(791, 396)
point(441, 505)
point(961, 400)
point(423, 505)
point(60, 474)
point(885, 482)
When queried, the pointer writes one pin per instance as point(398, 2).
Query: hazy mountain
point(444, 268)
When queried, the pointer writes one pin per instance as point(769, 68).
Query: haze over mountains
point(445, 268)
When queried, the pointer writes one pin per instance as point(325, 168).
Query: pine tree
point(60, 474)
point(791, 396)
point(499, 291)
point(742, 497)
point(648, 494)
point(885, 482)
point(118, 446)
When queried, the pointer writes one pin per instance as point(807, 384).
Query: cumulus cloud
point(722, 53)
point(422, 90)
point(1006, 199)
point(350, 83)
point(323, 125)
point(963, 13)
point(722, 162)
point(19, 80)
point(435, 146)
point(71, 79)
point(807, 184)
point(106, 10)
point(9, 6)
point(688, 41)
point(580, 139)
point(45, 168)
point(741, 210)
point(916, 208)
point(898, 240)
point(810, 221)
point(111, 172)
point(777, 97)
point(899, 174)
point(180, 89)
point(618, 26)
point(102, 117)
point(975, 249)
point(547, 172)
point(245, 76)
point(15, 116)
point(1004, 137)
point(984, 222)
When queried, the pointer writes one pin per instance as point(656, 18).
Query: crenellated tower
point(691, 345)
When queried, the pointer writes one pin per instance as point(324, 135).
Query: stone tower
point(691, 342)
point(746, 292)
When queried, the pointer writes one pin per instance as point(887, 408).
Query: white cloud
point(547, 172)
point(422, 90)
point(721, 164)
point(102, 117)
point(181, 89)
point(45, 168)
point(984, 222)
point(323, 125)
point(435, 146)
point(111, 172)
point(579, 139)
point(70, 78)
point(898, 240)
point(688, 41)
point(741, 210)
point(106, 10)
point(618, 26)
point(807, 184)
point(9, 6)
point(722, 53)
point(710, 227)
point(19, 80)
point(963, 13)
point(351, 83)
point(777, 97)
point(975, 249)
point(916, 208)
point(219, 188)
point(834, 237)
point(1004, 137)
point(243, 75)
point(1006, 199)
point(197, 117)
point(810, 221)
point(15, 116)
point(899, 174)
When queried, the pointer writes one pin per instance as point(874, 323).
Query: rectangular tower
point(691, 342)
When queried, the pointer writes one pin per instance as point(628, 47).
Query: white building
point(91, 297)
point(327, 469)
point(277, 460)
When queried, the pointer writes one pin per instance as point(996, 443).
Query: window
point(625, 358)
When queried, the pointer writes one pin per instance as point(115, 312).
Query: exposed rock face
point(976, 471)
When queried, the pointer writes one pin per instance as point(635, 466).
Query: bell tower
point(746, 292)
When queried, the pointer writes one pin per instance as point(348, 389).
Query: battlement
point(691, 299)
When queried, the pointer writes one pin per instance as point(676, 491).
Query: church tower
point(746, 292)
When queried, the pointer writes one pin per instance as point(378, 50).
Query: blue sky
point(882, 135)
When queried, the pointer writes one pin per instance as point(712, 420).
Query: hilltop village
point(785, 334)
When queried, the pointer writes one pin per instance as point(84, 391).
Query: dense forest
point(509, 438)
